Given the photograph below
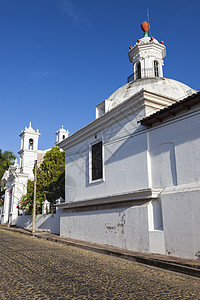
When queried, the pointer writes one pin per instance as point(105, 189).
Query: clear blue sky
point(60, 58)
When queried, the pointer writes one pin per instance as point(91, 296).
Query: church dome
point(147, 58)
point(163, 86)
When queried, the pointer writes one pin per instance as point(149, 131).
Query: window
point(156, 73)
point(97, 161)
point(30, 146)
point(63, 137)
point(138, 74)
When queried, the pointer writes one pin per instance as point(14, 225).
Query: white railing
point(145, 73)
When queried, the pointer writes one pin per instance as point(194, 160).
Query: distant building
point(133, 174)
point(17, 176)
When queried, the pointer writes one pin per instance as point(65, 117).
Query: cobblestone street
point(32, 268)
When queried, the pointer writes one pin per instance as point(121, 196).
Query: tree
point(50, 181)
point(6, 159)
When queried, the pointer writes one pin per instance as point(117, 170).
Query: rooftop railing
point(145, 73)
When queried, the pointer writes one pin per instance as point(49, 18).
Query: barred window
point(97, 161)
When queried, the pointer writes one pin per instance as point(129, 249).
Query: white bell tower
point(61, 134)
point(147, 56)
point(29, 150)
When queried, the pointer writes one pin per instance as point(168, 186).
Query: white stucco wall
point(18, 190)
point(174, 150)
point(125, 162)
point(165, 156)
point(181, 220)
point(120, 227)
point(15, 186)
point(50, 222)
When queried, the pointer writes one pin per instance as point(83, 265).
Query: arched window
point(138, 71)
point(30, 146)
point(156, 73)
point(63, 137)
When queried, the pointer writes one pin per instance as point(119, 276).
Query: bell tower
point(147, 56)
point(29, 150)
point(61, 134)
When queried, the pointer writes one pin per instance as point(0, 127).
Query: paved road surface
point(32, 268)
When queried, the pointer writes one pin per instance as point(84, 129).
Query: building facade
point(132, 182)
point(17, 176)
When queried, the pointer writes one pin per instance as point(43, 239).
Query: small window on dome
point(138, 71)
point(156, 73)
point(30, 146)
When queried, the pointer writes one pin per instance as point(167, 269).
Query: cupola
point(29, 138)
point(147, 56)
point(61, 134)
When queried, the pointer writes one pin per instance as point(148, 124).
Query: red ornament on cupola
point(145, 27)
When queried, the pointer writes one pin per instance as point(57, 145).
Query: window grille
point(97, 166)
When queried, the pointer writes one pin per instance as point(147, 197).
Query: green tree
point(6, 159)
point(50, 181)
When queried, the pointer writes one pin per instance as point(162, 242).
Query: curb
point(166, 265)
point(177, 267)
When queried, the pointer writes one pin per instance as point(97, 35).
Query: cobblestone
point(32, 268)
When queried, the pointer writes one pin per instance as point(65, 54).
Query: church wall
point(181, 220)
point(19, 189)
point(175, 166)
point(29, 158)
point(163, 159)
point(122, 226)
point(46, 222)
point(125, 162)
point(174, 149)
point(6, 209)
point(166, 226)
point(125, 170)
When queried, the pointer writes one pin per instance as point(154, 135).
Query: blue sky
point(60, 58)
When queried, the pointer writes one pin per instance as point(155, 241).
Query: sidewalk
point(181, 265)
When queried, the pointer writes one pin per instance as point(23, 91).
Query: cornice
point(144, 46)
point(29, 133)
point(27, 150)
point(145, 194)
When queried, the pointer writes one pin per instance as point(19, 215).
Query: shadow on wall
point(163, 165)
point(49, 222)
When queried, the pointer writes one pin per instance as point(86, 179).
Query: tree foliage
point(6, 159)
point(50, 181)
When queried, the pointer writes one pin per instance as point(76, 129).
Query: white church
point(133, 174)
point(17, 176)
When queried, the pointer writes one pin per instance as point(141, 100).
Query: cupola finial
point(145, 27)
